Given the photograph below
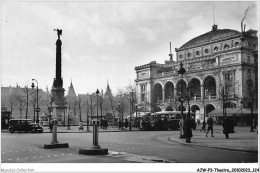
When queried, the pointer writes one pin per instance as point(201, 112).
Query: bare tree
point(11, 102)
point(112, 107)
point(79, 103)
point(101, 102)
point(26, 91)
point(21, 103)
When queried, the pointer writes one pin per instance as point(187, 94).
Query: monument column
point(57, 98)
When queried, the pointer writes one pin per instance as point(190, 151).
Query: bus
point(166, 120)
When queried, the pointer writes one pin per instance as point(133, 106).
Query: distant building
point(221, 60)
point(8, 92)
point(71, 93)
point(108, 92)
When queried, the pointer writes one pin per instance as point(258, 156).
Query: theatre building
point(221, 67)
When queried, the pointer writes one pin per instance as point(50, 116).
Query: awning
point(231, 111)
point(139, 114)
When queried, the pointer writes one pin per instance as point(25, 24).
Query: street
point(124, 147)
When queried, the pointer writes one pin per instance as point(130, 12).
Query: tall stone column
point(163, 95)
point(202, 92)
point(57, 97)
point(175, 91)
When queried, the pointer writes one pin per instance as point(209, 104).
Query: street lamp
point(37, 100)
point(136, 109)
point(97, 93)
point(120, 110)
point(223, 100)
point(242, 104)
point(188, 100)
point(181, 71)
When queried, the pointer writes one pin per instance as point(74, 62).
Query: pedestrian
point(188, 128)
point(203, 127)
point(226, 126)
point(181, 128)
point(193, 123)
point(81, 126)
point(126, 124)
point(119, 124)
point(130, 125)
point(141, 124)
point(198, 122)
point(106, 123)
point(210, 126)
point(51, 126)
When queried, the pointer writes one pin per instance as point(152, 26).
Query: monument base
point(60, 145)
point(93, 151)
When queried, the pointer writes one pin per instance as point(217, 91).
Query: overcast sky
point(104, 40)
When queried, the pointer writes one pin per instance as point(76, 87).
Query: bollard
point(95, 123)
point(95, 149)
point(55, 143)
point(54, 132)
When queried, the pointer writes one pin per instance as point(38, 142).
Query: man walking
point(226, 126)
point(210, 126)
point(188, 128)
point(181, 128)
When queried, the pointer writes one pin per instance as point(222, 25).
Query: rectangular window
point(143, 90)
point(228, 77)
point(248, 59)
point(143, 97)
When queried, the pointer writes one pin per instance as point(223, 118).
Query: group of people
point(186, 125)
point(104, 123)
point(129, 123)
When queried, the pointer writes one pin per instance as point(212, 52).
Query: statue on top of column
point(59, 32)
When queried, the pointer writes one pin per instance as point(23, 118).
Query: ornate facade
point(219, 62)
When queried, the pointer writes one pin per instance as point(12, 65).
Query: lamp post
point(188, 100)
point(120, 110)
point(242, 104)
point(181, 71)
point(97, 94)
point(69, 112)
point(37, 100)
point(136, 109)
point(223, 100)
point(87, 116)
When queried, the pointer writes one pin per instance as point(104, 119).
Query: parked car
point(24, 125)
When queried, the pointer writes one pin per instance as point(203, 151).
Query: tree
point(101, 101)
point(79, 103)
point(11, 102)
point(91, 106)
point(33, 100)
point(21, 103)
point(112, 107)
point(26, 91)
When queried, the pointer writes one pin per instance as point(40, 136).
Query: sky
point(104, 41)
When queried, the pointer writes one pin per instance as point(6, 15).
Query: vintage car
point(24, 125)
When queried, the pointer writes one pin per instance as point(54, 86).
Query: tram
point(166, 120)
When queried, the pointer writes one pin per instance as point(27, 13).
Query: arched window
point(197, 52)
point(206, 51)
point(236, 43)
point(226, 46)
point(215, 48)
point(189, 54)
